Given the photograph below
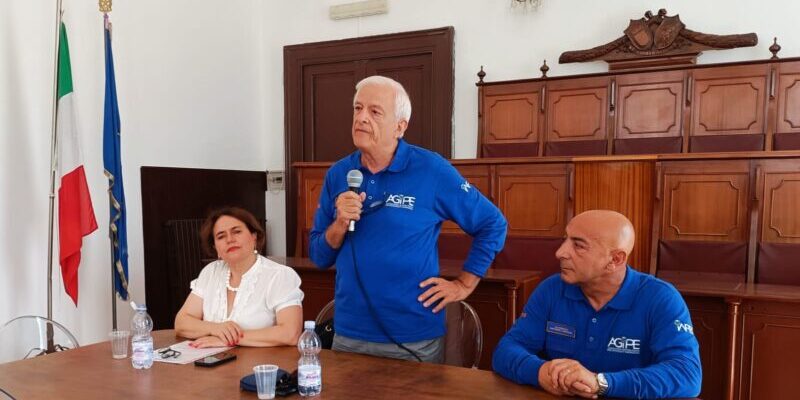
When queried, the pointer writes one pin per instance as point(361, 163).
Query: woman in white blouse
point(243, 298)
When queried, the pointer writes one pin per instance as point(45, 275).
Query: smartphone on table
point(216, 359)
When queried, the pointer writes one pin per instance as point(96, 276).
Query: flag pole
point(53, 167)
point(105, 8)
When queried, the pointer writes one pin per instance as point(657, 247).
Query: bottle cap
point(309, 325)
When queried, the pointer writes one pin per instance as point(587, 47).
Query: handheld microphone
point(354, 180)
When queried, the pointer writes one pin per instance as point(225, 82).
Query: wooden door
point(728, 101)
point(577, 111)
point(512, 120)
point(319, 85)
point(535, 199)
point(415, 74)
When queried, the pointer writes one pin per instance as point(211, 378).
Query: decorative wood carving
point(774, 49)
point(657, 40)
point(544, 68)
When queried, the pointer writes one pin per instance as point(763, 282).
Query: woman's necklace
point(228, 282)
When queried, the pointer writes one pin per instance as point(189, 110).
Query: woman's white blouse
point(266, 288)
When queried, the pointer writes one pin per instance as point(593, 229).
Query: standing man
point(388, 293)
point(602, 328)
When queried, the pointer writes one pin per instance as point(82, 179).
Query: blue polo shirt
point(642, 340)
point(396, 241)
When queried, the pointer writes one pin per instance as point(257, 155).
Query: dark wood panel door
point(729, 101)
point(319, 84)
point(705, 201)
point(770, 347)
point(512, 114)
point(184, 194)
point(328, 91)
point(415, 74)
point(649, 105)
point(787, 93)
point(577, 109)
point(534, 198)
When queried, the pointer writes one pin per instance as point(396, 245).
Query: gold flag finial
point(105, 6)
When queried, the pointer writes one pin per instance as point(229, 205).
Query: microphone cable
point(369, 302)
point(7, 394)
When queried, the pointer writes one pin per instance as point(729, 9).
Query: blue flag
point(112, 164)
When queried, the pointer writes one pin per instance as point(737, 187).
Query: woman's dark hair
point(250, 221)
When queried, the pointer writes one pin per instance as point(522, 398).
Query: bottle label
point(309, 375)
point(141, 350)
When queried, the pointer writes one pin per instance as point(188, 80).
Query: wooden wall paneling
point(705, 201)
point(534, 198)
point(779, 186)
point(649, 105)
point(479, 177)
point(512, 114)
point(310, 181)
point(785, 87)
point(577, 109)
point(709, 319)
point(655, 229)
point(625, 187)
point(770, 347)
point(729, 100)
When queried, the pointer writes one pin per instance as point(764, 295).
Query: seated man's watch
point(602, 383)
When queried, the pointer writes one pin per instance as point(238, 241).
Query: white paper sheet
point(188, 354)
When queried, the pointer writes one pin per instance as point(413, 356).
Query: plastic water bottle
point(309, 367)
point(142, 341)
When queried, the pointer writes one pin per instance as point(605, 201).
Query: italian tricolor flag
point(75, 213)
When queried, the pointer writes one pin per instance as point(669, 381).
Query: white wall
point(201, 85)
point(188, 80)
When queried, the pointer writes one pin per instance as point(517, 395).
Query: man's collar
point(399, 160)
point(624, 298)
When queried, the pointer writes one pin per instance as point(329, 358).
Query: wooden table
point(90, 373)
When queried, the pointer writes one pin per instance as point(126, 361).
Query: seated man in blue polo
point(388, 291)
point(601, 328)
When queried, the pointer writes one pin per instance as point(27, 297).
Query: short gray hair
point(402, 104)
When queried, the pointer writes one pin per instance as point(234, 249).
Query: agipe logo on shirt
point(625, 345)
point(401, 201)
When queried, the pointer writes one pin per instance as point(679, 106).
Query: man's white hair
point(402, 104)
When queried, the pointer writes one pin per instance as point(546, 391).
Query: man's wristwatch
point(602, 383)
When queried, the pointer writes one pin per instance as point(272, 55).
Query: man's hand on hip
point(445, 292)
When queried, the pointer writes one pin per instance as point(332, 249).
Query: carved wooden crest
point(657, 40)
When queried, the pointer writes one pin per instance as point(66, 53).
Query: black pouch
point(285, 385)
